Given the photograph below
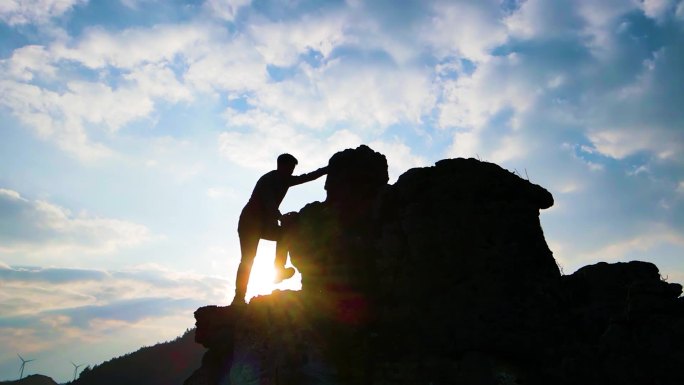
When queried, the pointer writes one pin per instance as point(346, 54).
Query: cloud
point(583, 96)
point(656, 9)
point(19, 12)
point(222, 193)
point(621, 142)
point(91, 315)
point(639, 244)
point(642, 114)
point(623, 106)
point(232, 65)
point(659, 243)
point(130, 48)
point(225, 9)
point(257, 149)
point(368, 98)
point(281, 43)
point(79, 296)
point(501, 83)
point(50, 275)
point(138, 68)
point(40, 228)
point(28, 61)
point(679, 12)
point(464, 29)
point(400, 157)
point(11, 195)
point(68, 110)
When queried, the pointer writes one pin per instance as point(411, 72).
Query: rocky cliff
point(442, 278)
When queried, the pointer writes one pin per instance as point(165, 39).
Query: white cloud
point(339, 92)
point(225, 9)
point(179, 160)
point(11, 194)
point(105, 234)
point(569, 186)
point(498, 84)
point(18, 12)
point(281, 43)
point(656, 8)
point(680, 187)
point(464, 29)
point(465, 145)
point(361, 96)
point(222, 193)
point(133, 47)
point(94, 315)
point(259, 148)
point(473, 144)
point(620, 143)
point(40, 229)
point(87, 293)
point(159, 81)
point(639, 244)
point(233, 66)
point(399, 156)
point(98, 103)
point(587, 21)
point(28, 61)
point(62, 116)
point(510, 147)
point(135, 4)
point(537, 18)
point(67, 112)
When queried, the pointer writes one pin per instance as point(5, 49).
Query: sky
point(132, 133)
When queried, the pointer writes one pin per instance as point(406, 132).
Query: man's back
point(268, 194)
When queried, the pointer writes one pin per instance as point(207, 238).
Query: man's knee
point(272, 232)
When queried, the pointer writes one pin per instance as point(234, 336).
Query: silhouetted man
point(259, 220)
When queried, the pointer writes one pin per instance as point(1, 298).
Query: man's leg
point(282, 247)
point(273, 232)
point(249, 241)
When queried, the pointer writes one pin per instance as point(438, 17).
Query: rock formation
point(442, 278)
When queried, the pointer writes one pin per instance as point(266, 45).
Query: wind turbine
point(75, 368)
point(23, 363)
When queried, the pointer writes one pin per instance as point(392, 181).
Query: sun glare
point(261, 279)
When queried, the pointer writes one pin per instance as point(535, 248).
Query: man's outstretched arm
point(308, 177)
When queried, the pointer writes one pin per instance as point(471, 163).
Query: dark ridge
point(162, 364)
point(33, 379)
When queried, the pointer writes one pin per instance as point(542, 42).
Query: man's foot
point(283, 273)
point(238, 301)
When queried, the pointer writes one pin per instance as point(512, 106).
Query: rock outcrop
point(443, 277)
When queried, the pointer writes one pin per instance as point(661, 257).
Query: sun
point(261, 278)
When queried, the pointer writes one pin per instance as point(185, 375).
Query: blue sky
point(132, 132)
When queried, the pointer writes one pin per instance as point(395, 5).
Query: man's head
point(287, 163)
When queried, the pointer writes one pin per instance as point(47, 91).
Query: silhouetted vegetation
point(33, 379)
point(162, 364)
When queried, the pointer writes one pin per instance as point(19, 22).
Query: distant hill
point(34, 379)
point(162, 364)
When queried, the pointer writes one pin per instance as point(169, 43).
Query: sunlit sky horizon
point(132, 133)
